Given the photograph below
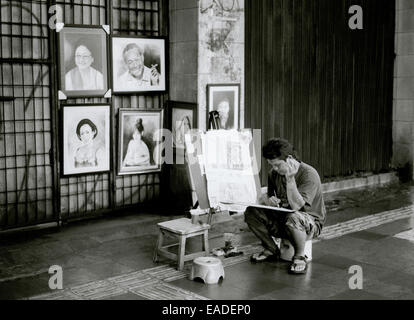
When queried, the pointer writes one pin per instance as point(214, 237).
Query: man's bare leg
point(298, 239)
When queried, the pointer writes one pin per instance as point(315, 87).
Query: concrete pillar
point(206, 47)
point(221, 49)
point(403, 113)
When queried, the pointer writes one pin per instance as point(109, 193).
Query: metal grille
point(137, 18)
point(31, 191)
point(84, 195)
point(26, 165)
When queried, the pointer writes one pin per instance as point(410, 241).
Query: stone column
point(403, 113)
point(206, 47)
point(221, 49)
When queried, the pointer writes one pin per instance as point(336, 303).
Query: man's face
point(135, 62)
point(280, 166)
point(223, 110)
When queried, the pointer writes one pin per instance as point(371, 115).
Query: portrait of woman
point(137, 152)
point(86, 139)
point(182, 121)
point(84, 76)
point(83, 62)
point(139, 149)
point(89, 153)
point(182, 127)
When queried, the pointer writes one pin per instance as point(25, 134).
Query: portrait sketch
point(183, 119)
point(225, 100)
point(138, 64)
point(83, 62)
point(86, 139)
point(139, 134)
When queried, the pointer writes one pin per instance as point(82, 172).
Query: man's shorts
point(303, 222)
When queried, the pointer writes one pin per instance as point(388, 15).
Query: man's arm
point(304, 193)
point(295, 198)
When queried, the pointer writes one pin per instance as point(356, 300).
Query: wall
point(325, 87)
point(403, 117)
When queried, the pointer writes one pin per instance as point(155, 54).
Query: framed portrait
point(138, 64)
point(139, 148)
point(86, 139)
point(83, 62)
point(225, 99)
point(183, 117)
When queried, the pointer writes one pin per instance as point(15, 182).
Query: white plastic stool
point(209, 269)
point(287, 251)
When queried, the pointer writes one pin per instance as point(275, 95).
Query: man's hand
point(272, 201)
point(155, 76)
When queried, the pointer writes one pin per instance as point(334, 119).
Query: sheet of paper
point(245, 204)
point(229, 167)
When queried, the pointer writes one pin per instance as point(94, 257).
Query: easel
point(184, 228)
point(197, 179)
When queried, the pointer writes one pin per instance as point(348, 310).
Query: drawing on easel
point(229, 167)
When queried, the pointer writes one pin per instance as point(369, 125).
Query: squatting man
point(295, 185)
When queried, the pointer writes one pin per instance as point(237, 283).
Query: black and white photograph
point(139, 137)
point(138, 64)
point(83, 61)
point(215, 152)
point(183, 119)
point(224, 98)
point(86, 139)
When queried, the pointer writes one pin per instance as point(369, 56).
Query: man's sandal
point(298, 261)
point(262, 257)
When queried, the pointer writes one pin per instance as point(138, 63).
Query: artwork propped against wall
point(83, 62)
point(225, 99)
point(231, 168)
point(139, 149)
point(183, 118)
point(86, 139)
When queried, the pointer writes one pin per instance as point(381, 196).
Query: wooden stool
point(209, 269)
point(181, 229)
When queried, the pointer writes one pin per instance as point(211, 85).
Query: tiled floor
point(383, 259)
point(98, 250)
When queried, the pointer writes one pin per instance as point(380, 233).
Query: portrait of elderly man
point(223, 109)
point(137, 74)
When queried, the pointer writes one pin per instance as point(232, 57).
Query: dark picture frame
point(86, 139)
point(83, 62)
point(228, 97)
point(182, 117)
point(139, 141)
point(135, 61)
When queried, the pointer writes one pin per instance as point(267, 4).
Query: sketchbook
point(244, 204)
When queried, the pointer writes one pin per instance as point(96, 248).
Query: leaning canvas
point(230, 167)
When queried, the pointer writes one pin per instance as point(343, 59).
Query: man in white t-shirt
point(137, 75)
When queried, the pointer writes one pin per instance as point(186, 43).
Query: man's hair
point(132, 46)
point(278, 148)
point(89, 123)
point(224, 105)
